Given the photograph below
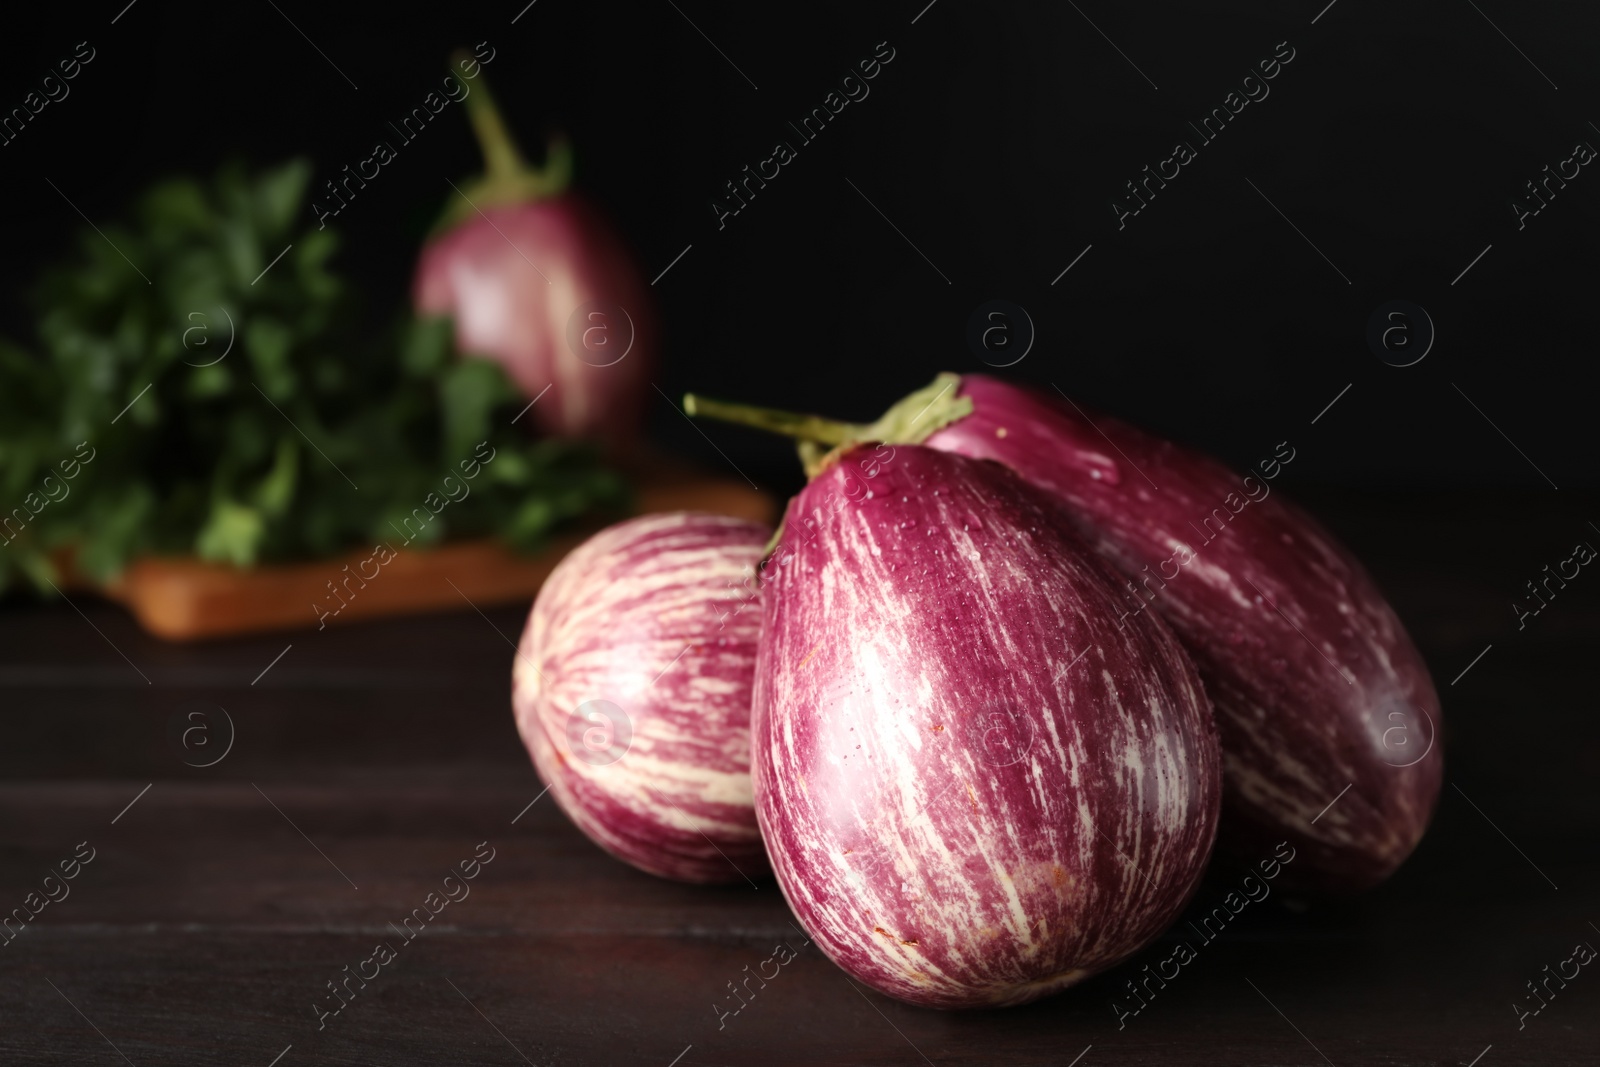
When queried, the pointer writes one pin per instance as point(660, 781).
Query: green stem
point(910, 421)
point(812, 428)
point(501, 158)
point(508, 178)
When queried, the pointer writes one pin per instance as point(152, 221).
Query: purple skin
point(658, 617)
point(975, 787)
point(537, 280)
point(482, 273)
point(1316, 685)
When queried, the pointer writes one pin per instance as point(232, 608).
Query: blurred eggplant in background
point(537, 280)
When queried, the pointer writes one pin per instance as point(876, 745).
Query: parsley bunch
point(241, 416)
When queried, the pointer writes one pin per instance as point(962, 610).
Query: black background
point(995, 141)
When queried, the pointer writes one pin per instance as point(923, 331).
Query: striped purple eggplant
point(1329, 718)
point(1319, 692)
point(632, 688)
point(975, 787)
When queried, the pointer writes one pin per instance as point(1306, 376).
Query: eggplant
point(974, 786)
point(631, 689)
point(1328, 715)
point(536, 279)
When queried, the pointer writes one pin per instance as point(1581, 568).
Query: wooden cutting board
point(184, 599)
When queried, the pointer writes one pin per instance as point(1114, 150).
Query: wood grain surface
point(367, 761)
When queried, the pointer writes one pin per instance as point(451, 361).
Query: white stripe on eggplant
point(655, 616)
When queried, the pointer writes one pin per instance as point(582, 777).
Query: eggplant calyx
point(910, 421)
point(508, 179)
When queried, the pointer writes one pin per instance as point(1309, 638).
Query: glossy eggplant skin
point(515, 279)
point(974, 786)
point(1320, 695)
point(631, 689)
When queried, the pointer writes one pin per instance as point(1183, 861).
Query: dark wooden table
point(366, 762)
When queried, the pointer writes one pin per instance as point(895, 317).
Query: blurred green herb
point(252, 456)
